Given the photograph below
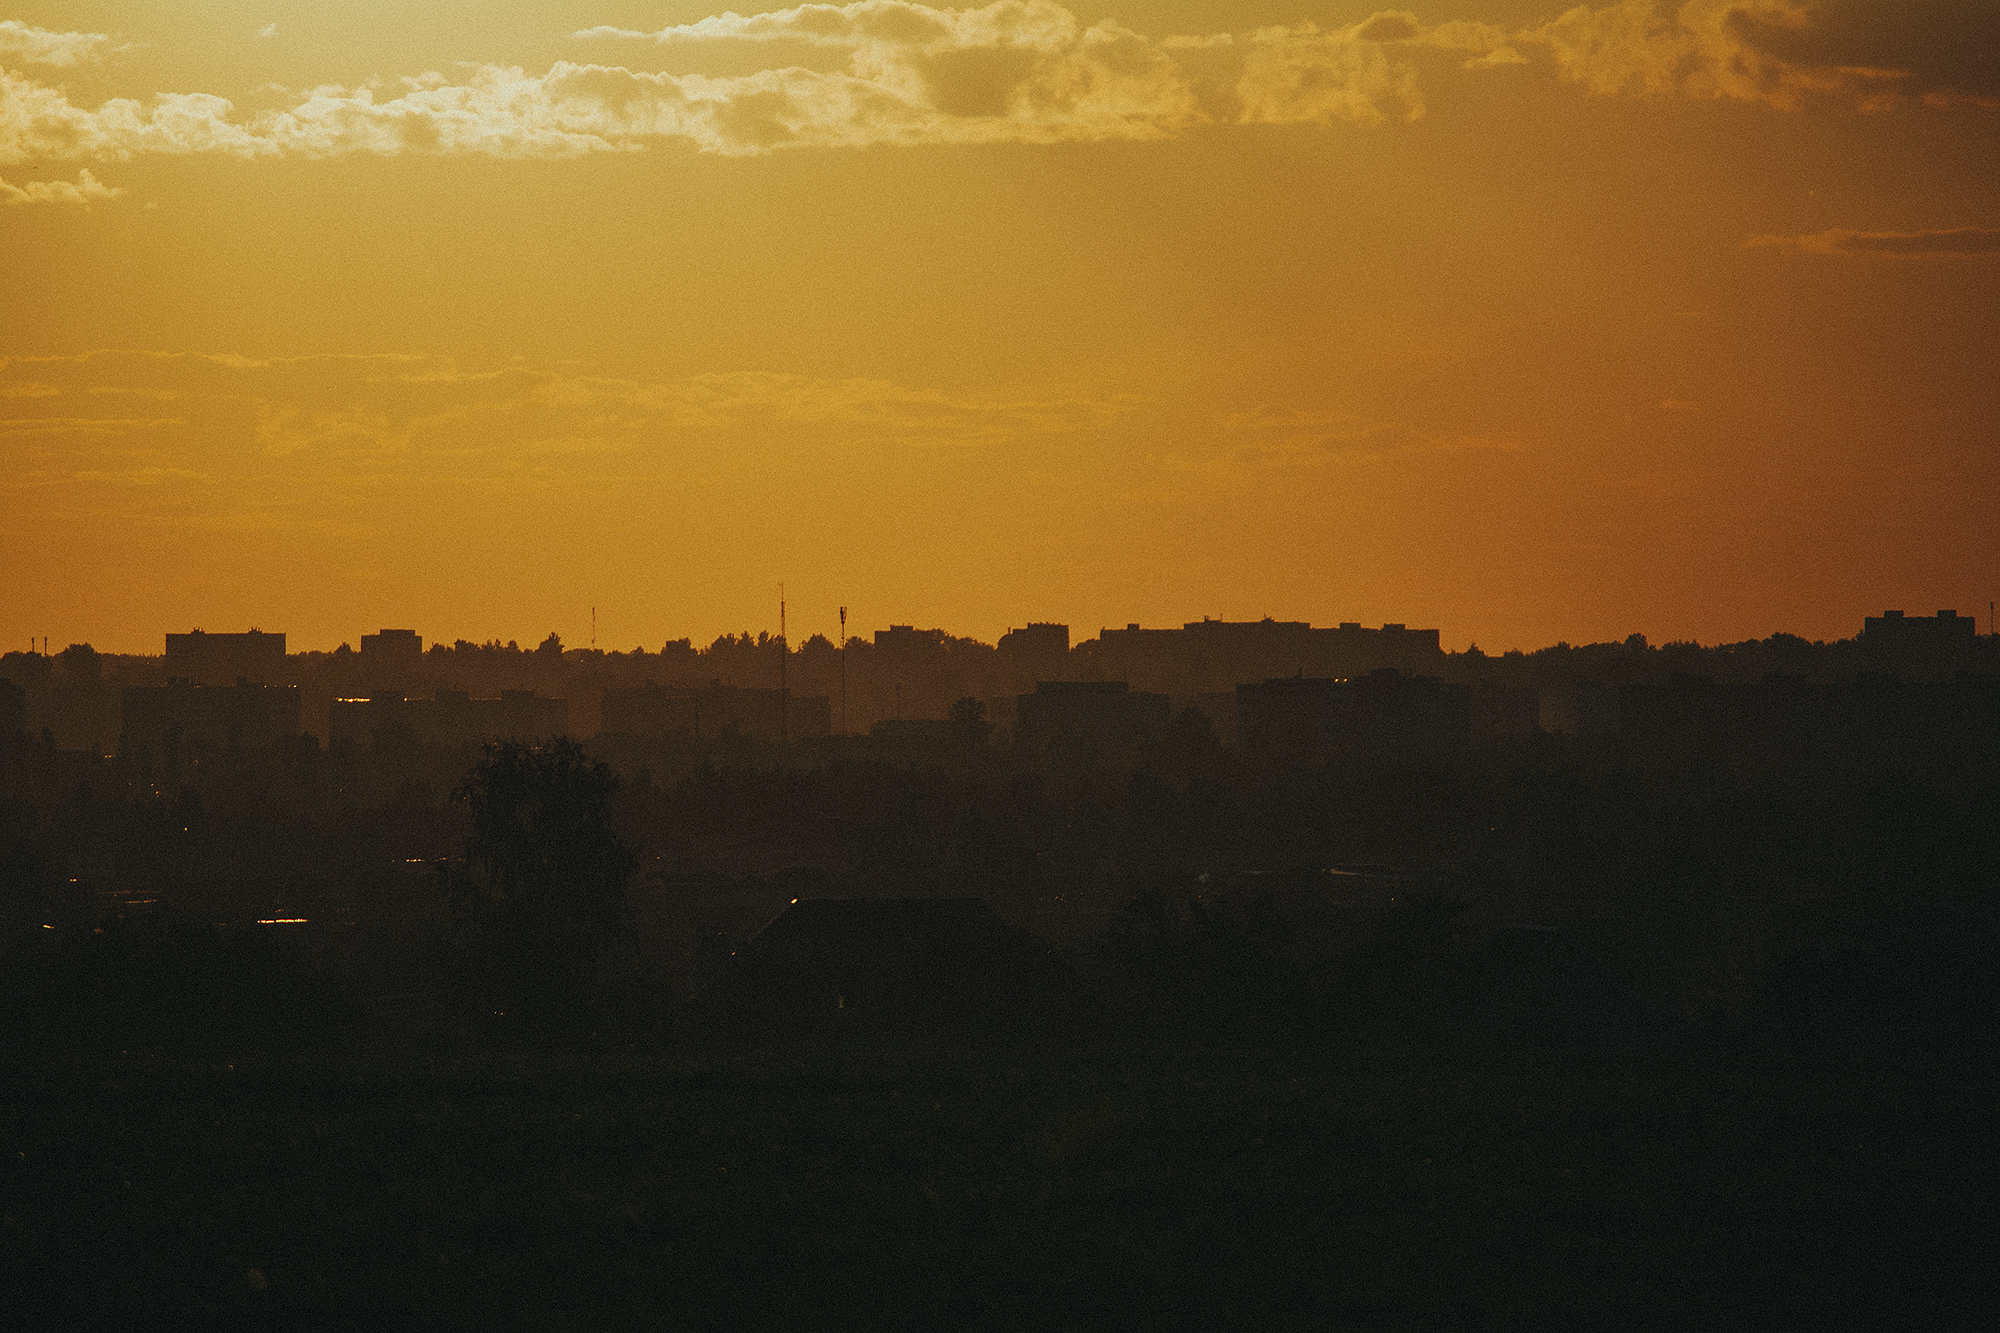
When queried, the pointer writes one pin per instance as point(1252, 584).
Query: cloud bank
point(1024, 71)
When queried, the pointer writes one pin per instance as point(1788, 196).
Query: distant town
point(234, 783)
point(1274, 687)
point(1274, 692)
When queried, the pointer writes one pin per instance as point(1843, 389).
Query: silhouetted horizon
point(1398, 764)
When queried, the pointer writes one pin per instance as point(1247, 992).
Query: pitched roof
point(876, 969)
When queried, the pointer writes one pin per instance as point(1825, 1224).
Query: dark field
point(1702, 1189)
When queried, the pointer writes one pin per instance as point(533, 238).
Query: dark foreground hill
point(1100, 1190)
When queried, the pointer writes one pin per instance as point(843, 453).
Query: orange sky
point(1524, 324)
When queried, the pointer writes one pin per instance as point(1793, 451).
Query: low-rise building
point(392, 645)
point(1384, 715)
point(450, 719)
point(1893, 628)
point(167, 726)
point(1072, 712)
point(13, 708)
point(706, 712)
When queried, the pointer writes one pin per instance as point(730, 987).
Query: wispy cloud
point(60, 425)
point(357, 414)
point(1960, 242)
point(38, 46)
point(1332, 435)
point(1265, 443)
point(85, 189)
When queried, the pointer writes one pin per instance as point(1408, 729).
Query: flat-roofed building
point(224, 659)
point(1062, 711)
point(1384, 715)
point(706, 712)
point(1209, 655)
point(165, 727)
point(450, 719)
point(1893, 627)
point(13, 708)
point(392, 645)
point(1037, 652)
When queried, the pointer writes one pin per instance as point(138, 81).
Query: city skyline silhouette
point(1006, 664)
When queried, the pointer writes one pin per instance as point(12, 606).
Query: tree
point(968, 720)
point(546, 872)
point(81, 664)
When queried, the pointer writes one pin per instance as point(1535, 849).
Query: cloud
point(38, 123)
point(1876, 53)
point(1301, 75)
point(1278, 450)
point(1317, 438)
point(350, 417)
point(965, 97)
point(1013, 71)
point(1944, 51)
point(1005, 57)
point(83, 190)
point(1953, 242)
point(54, 425)
point(268, 30)
point(38, 46)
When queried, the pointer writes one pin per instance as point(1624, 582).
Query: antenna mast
point(843, 671)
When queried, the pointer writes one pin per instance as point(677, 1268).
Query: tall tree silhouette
point(546, 873)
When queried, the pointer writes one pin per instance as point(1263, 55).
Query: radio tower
point(843, 671)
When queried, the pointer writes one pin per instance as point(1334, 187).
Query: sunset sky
point(327, 315)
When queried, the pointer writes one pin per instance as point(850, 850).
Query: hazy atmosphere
point(1194, 665)
point(1532, 324)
